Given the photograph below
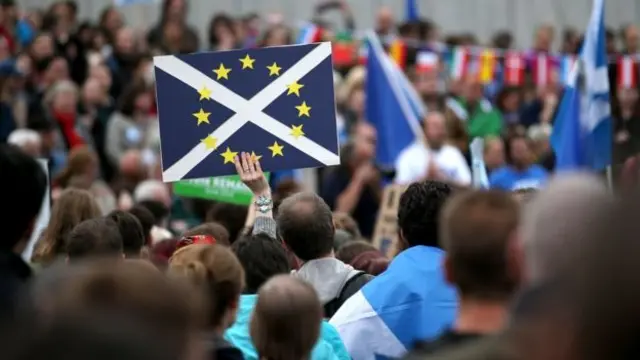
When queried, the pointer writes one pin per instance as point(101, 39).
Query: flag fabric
point(514, 68)
point(478, 168)
point(567, 62)
point(363, 53)
point(408, 302)
point(426, 61)
point(412, 13)
point(275, 103)
point(398, 52)
point(582, 134)
point(310, 33)
point(487, 66)
point(627, 72)
point(391, 106)
point(459, 63)
point(542, 70)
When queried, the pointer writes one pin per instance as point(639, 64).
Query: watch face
point(263, 208)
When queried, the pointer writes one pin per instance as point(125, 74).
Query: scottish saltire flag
point(567, 62)
point(410, 301)
point(478, 168)
point(392, 105)
point(411, 11)
point(275, 103)
point(582, 132)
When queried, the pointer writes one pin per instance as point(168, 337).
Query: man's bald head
point(131, 164)
point(305, 222)
point(551, 220)
point(286, 321)
point(385, 20)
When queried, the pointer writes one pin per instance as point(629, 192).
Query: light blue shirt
point(509, 179)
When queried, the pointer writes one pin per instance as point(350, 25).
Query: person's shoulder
point(409, 154)
point(451, 151)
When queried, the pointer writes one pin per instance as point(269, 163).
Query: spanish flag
point(487, 66)
point(398, 52)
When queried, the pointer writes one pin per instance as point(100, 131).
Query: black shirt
point(447, 340)
point(335, 182)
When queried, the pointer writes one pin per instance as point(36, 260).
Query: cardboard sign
point(385, 236)
point(227, 189)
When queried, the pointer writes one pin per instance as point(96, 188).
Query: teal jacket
point(329, 346)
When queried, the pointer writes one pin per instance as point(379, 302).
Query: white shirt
point(413, 164)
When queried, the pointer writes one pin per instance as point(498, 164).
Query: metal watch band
point(264, 204)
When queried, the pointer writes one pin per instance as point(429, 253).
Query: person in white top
point(434, 160)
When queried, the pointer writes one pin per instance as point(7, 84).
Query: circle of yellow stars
point(222, 73)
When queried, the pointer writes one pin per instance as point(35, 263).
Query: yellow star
point(229, 156)
point(303, 109)
point(203, 117)
point(255, 157)
point(274, 69)
point(205, 93)
point(294, 89)
point(276, 149)
point(247, 62)
point(210, 142)
point(222, 72)
point(296, 131)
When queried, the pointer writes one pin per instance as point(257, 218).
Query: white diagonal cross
point(245, 110)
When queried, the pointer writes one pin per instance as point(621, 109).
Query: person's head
point(174, 10)
point(509, 100)
point(101, 73)
point(478, 233)
point(305, 222)
point(42, 49)
point(435, 129)
point(344, 221)
point(137, 99)
point(152, 190)
point(146, 219)
point(133, 238)
point(628, 98)
point(551, 219)
point(82, 163)
point(231, 216)
point(63, 97)
point(213, 229)
point(372, 262)
point(610, 41)
point(365, 139)
point(472, 89)
point(262, 258)
point(217, 273)
point(94, 238)
point(93, 93)
point(27, 140)
point(631, 38)
point(285, 324)
point(171, 311)
point(277, 35)
point(352, 249)
point(159, 210)
point(23, 184)
point(385, 21)
point(494, 155)
point(221, 31)
point(111, 20)
point(544, 38)
point(57, 70)
point(125, 42)
point(419, 213)
point(520, 152)
point(502, 40)
point(73, 207)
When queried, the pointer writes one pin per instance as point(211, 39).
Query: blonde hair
point(73, 207)
point(215, 271)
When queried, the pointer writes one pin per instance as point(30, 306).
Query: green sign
point(227, 189)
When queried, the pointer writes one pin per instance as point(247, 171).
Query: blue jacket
point(329, 346)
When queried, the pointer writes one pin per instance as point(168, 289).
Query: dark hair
point(262, 258)
point(146, 219)
point(268, 33)
point(305, 222)
point(509, 144)
point(350, 250)
point(231, 216)
point(162, 251)
point(157, 209)
point(219, 20)
point(133, 237)
point(23, 184)
point(94, 237)
point(419, 211)
point(214, 229)
point(127, 101)
point(476, 230)
point(502, 39)
point(503, 94)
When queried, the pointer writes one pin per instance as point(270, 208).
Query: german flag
point(398, 52)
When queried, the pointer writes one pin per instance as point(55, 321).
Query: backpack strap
point(352, 286)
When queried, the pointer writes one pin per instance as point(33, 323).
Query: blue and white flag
point(478, 168)
point(411, 10)
point(275, 103)
point(408, 302)
point(392, 105)
point(582, 134)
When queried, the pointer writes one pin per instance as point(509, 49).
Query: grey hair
point(23, 137)
point(549, 222)
point(148, 190)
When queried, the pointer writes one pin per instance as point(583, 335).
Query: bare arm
point(252, 176)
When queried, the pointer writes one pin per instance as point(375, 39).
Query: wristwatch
point(264, 204)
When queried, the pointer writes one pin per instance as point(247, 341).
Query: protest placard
point(227, 189)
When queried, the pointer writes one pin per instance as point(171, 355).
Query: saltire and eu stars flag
point(275, 103)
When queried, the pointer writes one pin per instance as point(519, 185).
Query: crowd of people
point(535, 268)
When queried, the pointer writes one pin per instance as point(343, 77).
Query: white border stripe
point(246, 111)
